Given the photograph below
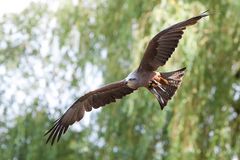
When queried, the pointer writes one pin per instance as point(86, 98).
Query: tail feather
point(164, 92)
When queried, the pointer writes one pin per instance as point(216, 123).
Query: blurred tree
point(46, 53)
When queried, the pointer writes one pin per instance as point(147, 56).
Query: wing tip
point(205, 13)
point(61, 125)
point(56, 131)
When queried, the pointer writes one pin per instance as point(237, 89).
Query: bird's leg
point(157, 81)
point(153, 83)
point(160, 79)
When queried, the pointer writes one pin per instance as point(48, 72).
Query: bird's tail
point(166, 85)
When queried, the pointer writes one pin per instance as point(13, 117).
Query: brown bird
point(161, 85)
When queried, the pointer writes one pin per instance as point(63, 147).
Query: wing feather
point(161, 47)
point(95, 99)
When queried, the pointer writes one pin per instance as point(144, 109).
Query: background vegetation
point(52, 53)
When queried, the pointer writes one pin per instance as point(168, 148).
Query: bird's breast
point(144, 78)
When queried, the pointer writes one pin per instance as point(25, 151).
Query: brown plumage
point(162, 85)
point(94, 99)
point(161, 47)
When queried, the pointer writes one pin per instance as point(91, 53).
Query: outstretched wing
point(94, 99)
point(161, 47)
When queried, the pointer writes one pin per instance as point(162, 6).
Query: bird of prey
point(162, 85)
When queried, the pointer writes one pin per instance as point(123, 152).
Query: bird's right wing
point(94, 99)
point(161, 47)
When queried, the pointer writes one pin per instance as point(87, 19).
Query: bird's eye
point(132, 79)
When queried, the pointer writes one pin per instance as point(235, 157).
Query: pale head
point(132, 80)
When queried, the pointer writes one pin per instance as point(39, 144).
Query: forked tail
point(166, 85)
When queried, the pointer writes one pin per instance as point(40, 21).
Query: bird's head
point(131, 80)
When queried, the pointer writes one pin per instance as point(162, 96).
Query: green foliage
point(46, 57)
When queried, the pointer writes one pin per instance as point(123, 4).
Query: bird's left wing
point(161, 47)
point(93, 99)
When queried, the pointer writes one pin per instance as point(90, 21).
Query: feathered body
point(161, 85)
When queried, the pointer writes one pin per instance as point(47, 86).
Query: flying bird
point(162, 85)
